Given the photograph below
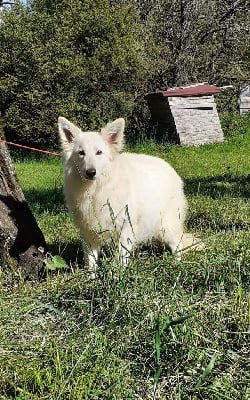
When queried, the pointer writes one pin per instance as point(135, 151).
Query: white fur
point(136, 196)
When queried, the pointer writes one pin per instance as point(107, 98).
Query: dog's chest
point(91, 208)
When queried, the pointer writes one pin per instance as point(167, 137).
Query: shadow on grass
point(215, 187)
point(220, 186)
point(202, 221)
point(71, 252)
point(50, 200)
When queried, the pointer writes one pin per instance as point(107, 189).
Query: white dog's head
point(90, 151)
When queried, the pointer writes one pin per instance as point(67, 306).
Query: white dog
point(134, 196)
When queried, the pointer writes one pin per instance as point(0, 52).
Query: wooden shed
point(188, 114)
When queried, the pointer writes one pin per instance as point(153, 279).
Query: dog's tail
point(190, 242)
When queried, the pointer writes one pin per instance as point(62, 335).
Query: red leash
point(30, 148)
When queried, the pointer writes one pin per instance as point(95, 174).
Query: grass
point(160, 329)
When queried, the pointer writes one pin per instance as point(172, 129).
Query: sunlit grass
point(161, 329)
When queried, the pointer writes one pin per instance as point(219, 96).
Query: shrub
point(84, 60)
point(234, 124)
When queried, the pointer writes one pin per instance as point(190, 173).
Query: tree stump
point(22, 244)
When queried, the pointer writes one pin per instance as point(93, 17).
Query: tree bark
point(22, 244)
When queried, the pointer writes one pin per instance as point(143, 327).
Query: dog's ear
point(113, 133)
point(67, 132)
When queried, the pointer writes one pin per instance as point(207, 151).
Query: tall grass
point(161, 329)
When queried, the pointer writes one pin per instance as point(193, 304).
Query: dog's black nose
point(90, 173)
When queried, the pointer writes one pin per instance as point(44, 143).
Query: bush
point(234, 124)
point(83, 60)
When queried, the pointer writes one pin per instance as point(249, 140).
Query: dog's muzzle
point(90, 173)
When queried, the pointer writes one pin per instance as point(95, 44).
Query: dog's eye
point(81, 153)
point(98, 152)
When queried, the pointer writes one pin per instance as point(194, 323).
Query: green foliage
point(94, 61)
point(234, 124)
point(206, 371)
point(54, 263)
point(227, 100)
point(84, 60)
point(200, 41)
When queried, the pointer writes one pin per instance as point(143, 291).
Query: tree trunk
point(22, 244)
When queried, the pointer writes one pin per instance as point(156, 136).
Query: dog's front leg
point(176, 247)
point(93, 259)
point(125, 248)
point(90, 259)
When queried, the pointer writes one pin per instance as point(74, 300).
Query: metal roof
point(186, 91)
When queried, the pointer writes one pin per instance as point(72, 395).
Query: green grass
point(160, 329)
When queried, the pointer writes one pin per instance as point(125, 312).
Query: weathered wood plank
point(244, 104)
point(190, 99)
point(192, 102)
point(194, 119)
point(196, 127)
